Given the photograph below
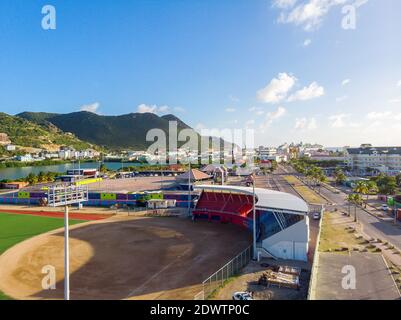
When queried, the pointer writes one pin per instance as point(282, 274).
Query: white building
point(10, 147)
point(25, 158)
point(266, 152)
point(367, 158)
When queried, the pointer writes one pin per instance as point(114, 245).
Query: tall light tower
point(254, 218)
point(189, 184)
point(64, 196)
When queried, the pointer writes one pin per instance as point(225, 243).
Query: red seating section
point(225, 207)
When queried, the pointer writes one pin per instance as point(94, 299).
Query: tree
point(103, 168)
point(398, 179)
point(31, 178)
point(42, 177)
point(386, 185)
point(361, 188)
point(339, 176)
point(356, 200)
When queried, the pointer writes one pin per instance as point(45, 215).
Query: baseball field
point(121, 258)
point(15, 228)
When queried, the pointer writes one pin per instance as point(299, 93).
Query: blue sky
point(285, 68)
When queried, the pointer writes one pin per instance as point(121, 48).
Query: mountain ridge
point(111, 132)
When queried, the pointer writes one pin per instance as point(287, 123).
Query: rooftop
point(266, 198)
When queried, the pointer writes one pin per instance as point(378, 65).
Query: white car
point(384, 207)
point(316, 216)
point(242, 296)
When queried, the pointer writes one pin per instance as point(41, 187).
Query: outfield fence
point(217, 279)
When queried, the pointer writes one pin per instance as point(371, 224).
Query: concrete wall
point(290, 243)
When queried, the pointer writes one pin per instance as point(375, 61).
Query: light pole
point(66, 255)
point(254, 220)
point(189, 186)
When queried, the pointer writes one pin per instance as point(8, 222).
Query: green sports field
point(15, 228)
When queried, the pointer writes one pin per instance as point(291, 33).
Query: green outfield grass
point(15, 228)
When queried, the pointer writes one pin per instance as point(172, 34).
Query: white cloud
point(249, 123)
point(337, 120)
point(379, 115)
point(145, 108)
point(307, 93)
point(276, 114)
point(307, 42)
point(257, 110)
point(345, 82)
point(93, 107)
point(399, 84)
point(277, 89)
point(341, 99)
point(179, 109)
point(395, 100)
point(230, 109)
point(272, 116)
point(284, 4)
point(164, 109)
point(233, 98)
point(305, 123)
point(308, 14)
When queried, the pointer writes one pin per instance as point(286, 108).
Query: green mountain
point(25, 133)
point(112, 132)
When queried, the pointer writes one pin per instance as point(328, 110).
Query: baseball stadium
point(157, 244)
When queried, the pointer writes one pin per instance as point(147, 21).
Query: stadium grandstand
point(282, 223)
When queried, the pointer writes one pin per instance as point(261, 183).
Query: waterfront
point(22, 172)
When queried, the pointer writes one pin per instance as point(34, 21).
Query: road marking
point(391, 275)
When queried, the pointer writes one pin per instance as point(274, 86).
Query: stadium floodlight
point(63, 196)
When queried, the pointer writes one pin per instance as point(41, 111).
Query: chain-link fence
point(217, 279)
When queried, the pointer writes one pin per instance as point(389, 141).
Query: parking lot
point(373, 279)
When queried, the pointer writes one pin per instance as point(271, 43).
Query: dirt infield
point(124, 257)
point(53, 214)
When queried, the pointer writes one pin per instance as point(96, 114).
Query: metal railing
point(217, 279)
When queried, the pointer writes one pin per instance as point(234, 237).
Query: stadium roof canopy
point(265, 198)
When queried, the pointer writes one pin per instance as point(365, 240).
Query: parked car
point(316, 215)
point(384, 207)
point(242, 296)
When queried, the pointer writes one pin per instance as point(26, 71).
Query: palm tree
point(355, 199)
point(362, 188)
point(339, 176)
point(372, 187)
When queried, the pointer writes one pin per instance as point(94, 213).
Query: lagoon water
point(17, 173)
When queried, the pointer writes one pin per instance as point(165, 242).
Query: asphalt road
point(372, 278)
point(371, 225)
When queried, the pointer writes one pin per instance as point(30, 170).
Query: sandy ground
point(123, 257)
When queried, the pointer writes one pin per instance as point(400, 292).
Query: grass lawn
point(335, 235)
point(309, 195)
point(4, 297)
point(15, 228)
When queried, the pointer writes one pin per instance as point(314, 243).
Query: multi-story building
point(368, 159)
